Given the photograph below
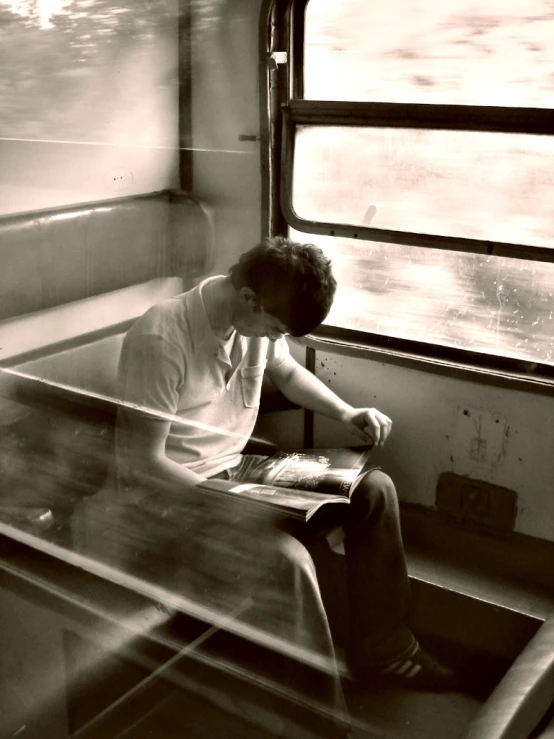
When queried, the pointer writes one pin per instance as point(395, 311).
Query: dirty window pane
point(486, 304)
point(431, 51)
point(478, 185)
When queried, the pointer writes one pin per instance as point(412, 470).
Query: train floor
point(375, 714)
point(405, 714)
point(391, 714)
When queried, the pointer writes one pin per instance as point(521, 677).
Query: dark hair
point(292, 281)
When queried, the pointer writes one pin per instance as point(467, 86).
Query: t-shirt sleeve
point(277, 352)
point(150, 373)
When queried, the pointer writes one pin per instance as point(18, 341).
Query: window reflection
point(208, 553)
point(74, 63)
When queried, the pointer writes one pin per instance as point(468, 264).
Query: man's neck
point(219, 302)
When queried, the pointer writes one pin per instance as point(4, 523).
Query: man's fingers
point(373, 430)
point(386, 428)
point(378, 426)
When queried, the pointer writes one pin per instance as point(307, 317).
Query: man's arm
point(144, 453)
point(149, 376)
point(303, 388)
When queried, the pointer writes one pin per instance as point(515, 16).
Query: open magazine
point(296, 484)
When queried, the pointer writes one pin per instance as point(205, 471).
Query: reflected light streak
point(170, 599)
point(132, 406)
point(123, 144)
point(187, 649)
point(142, 622)
point(69, 216)
point(78, 214)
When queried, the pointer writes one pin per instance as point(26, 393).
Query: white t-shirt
point(172, 362)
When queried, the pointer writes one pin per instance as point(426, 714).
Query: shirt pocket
point(251, 382)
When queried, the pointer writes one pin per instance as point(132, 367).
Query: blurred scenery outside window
point(459, 52)
point(480, 185)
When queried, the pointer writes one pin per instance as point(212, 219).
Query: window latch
point(276, 58)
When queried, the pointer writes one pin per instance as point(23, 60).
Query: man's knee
point(294, 553)
point(375, 489)
point(293, 564)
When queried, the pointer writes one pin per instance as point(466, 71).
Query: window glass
point(431, 51)
point(487, 304)
point(491, 186)
point(459, 184)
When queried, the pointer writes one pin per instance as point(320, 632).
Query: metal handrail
point(524, 694)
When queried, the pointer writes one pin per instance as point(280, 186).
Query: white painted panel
point(507, 438)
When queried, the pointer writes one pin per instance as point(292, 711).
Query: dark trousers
point(377, 585)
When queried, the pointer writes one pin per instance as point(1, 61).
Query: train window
point(479, 303)
point(433, 159)
point(416, 51)
point(471, 184)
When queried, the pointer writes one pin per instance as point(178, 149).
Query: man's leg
point(288, 604)
point(380, 640)
point(280, 575)
point(377, 578)
point(232, 559)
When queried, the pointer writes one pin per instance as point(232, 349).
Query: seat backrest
point(61, 255)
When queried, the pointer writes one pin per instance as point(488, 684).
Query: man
point(200, 358)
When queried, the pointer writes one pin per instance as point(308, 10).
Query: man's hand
point(304, 388)
point(369, 424)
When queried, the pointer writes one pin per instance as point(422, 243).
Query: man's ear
point(248, 296)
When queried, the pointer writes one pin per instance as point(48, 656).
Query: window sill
point(451, 362)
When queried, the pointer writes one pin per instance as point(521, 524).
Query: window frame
point(283, 108)
point(417, 116)
point(297, 111)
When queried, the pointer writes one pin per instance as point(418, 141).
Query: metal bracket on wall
point(276, 58)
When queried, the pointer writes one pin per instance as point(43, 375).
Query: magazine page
point(330, 471)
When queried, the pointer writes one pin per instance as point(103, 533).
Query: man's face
point(252, 320)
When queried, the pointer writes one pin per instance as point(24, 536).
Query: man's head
point(282, 287)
